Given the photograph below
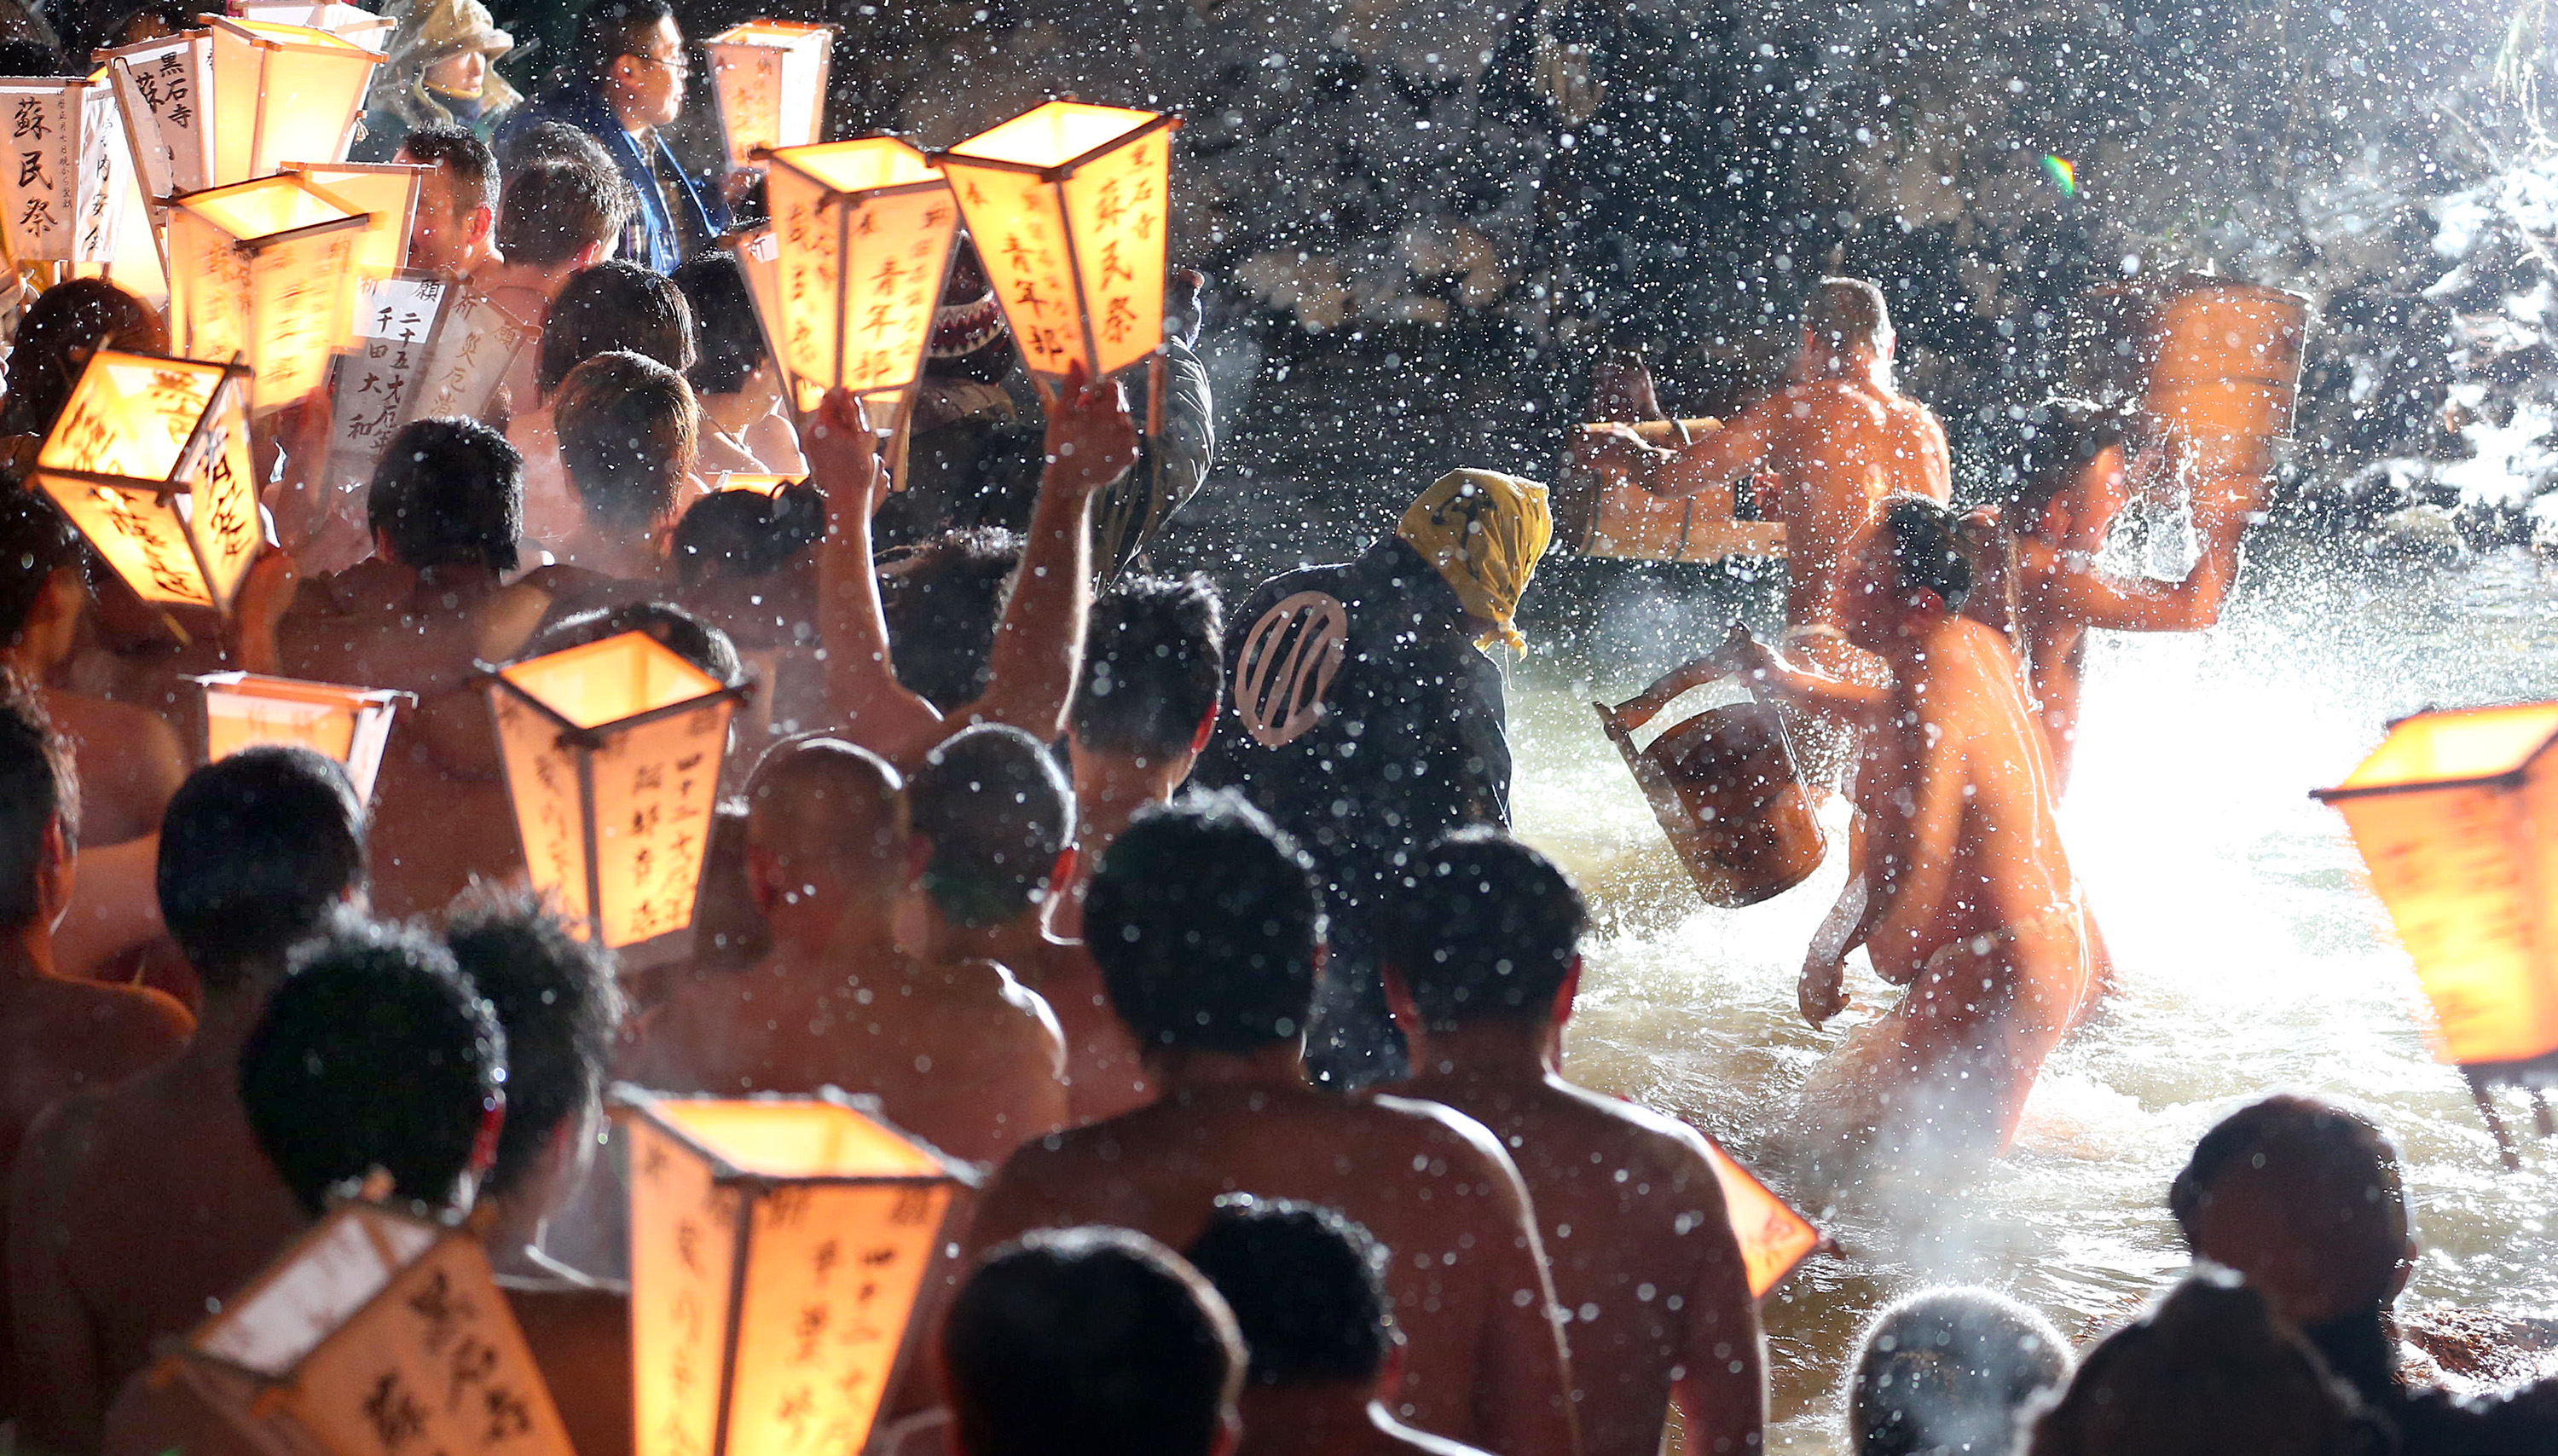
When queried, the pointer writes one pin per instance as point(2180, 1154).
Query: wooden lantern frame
point(371, 709)
point(260, 49)
point(776, 44)
point(835, 220)
point(387, 191)
point(225, 314)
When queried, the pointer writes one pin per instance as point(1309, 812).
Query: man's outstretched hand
point(843, 457)
point(1092, 441)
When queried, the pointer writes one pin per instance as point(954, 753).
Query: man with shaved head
point(957, 1053)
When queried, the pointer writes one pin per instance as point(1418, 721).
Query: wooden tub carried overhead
point(1602, 511)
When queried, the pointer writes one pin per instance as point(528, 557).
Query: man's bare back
point(1468, 1271)
point(129, 762)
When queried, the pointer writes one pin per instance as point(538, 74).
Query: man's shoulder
point(1437, 1124)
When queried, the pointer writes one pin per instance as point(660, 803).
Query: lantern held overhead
point(777, 1250)
point(164, 88)
point(150, 459)
point(348, 725)
point(282, 90)
point(64, 172)
point(265, 269)
point(769, 77)
point(862, 233)
point(1067, 204)
point(384, 191)
point(613, 753)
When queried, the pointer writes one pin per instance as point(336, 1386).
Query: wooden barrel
point(1600, 511)
point(1724, 787)
point(2224, 372)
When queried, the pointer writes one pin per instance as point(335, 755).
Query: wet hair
point(375, 1052)
point(999, 813)
point(459, 150)
point(2056, 441)
point(256, 851)
point(732, 534)
point(2329, 1166)
point(2208, 1372)
point(36, 541)
point(1306, 1287)
point(672, 627)
point(54, 342)
point(612, 27)
point(1927, 549)
point(21, 56)
point(729, 336)
point(1484, 928)
point(554, 141)
point(1846, 313)
point(1206, 918)
point(613, 305)
point(943, 601)
point(555, 207)
point(168, 17)
point(627, 432)
point(1949, 1370)
point(1154, 666)
point(556, 999)
point(1088, 1342)
point(38, 790)
point(729, 932)
point(449, 492)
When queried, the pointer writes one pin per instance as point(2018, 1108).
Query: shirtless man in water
point(1965, 894)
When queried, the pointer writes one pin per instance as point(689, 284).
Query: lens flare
point(2064, 174)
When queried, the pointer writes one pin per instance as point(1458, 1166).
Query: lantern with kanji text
point(778, 1246)
point(265, 269)
point(350, 724)
point(613, 751)
point(281, 91)
point(770, 79)
point(1067, 204)
point(862, 233)
point(64, 175)
point(164, 87)
point(150, 459)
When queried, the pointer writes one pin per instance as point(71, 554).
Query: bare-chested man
point(1207, 923)
point(1965, 893)
point(959, 1055)
point(131, 1207)
point(1482, 957)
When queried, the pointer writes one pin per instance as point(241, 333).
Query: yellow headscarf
point(1484, 531)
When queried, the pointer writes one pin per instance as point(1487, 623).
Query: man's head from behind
point(826, 831)
point(1207, 924)
point(942, 597)
point(1915, 573)
point(1847, 321)
point(998, 817)
point(613, 305)
point(40, 590)
point(1091, 1342)
point(2302, 1199)
point(448, 494)
point(376, 1053)
point(1486, 930)
point(457, 199)
point(1950, 1371)
point(39, 814)
point(1154, 668)
point(627, 430)
point(1308, 1290)
point(256, 851)
point(562, 213)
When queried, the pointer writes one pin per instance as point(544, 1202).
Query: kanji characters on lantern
point(862, 233)
point(162, 86)
point(266, 271)
point(62, 177)
point(769, 77)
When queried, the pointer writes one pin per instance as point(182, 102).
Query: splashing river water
point(2249, 960)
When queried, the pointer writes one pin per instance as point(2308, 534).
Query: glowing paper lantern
point(61, 182)
point(164, 87)
point(776, 1248)
point(613, 754)
point(150, 459)
point(387, 192)
point(1773, 1237)
point(348, 725)
point(2456, 814)
point(1067, 204)
point(347, 22)
point(376, 1334)
point(862, 233)
point(265, 269)
point(282, 90)
point(760, 484)
point(769, 76)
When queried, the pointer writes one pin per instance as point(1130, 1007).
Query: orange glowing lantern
point(862, 233)
point(150, 459)
point(613, 753)
point(776, 1248)
point(769, 76)
point(164, 88)
point(265, 269)
point(282, 90)
point(376, 1334)
point(387, 192)
point(2456, 814)
point(1069, 204)
point(62, 179)
point(1773, 1237)
point(348, 725)
point(760, 484)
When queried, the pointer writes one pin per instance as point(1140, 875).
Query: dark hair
point(374, 1052)
point(1206, 919)
point(941, 600)
point(672, 627)
point(2317, 1141)
point(1951, 1369)
point(21, 56)
point(1306, 1287)
point(729, 336)
point(627, 432)
point(555, 207)
point(54, 342)
point(1848, 313)
point(37, 789)
point(1088, 1342)
point(36, 541)
point(2056, 441)
point(998, 813)
point(1484, 928)
point(1154, 666)
point(256, 850)
point(449, 492)
point(556, 999)
point(460, 150)
point(732, 534)
point(610, 27)
point(1927, 549)
point(615, 304)
point(554, 141)
point(170, 15)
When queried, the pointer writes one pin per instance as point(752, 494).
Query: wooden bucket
point(1724, 787)
point(2224, 373)
point(1599, 511)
